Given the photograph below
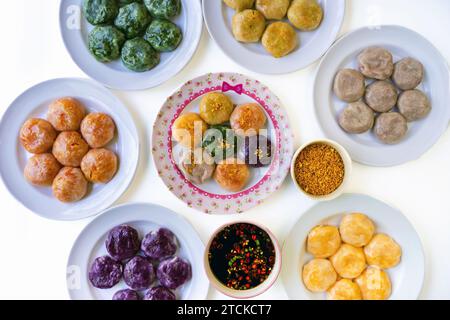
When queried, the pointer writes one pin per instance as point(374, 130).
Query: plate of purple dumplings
point(137, 252)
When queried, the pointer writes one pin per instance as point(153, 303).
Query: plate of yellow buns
point(353, 248)
point(274, 36)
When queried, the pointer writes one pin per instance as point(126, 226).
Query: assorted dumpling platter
point(222, 144)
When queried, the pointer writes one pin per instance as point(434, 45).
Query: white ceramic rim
point(265, 63)
point(128, 80)
point(345, 140)
point(247, 294)
point(122, 187)
point(187, 227)
point(347, 165)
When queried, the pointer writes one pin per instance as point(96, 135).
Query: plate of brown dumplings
point(74, 145)
point(387, 102)
point(274, 36)
point(353, 248)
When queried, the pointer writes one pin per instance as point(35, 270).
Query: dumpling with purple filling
point(122, 242)
point(126, 295)
point(174, 272)
point(160, 293)
point(139, 273)
point(159, 244)
point(105, 272)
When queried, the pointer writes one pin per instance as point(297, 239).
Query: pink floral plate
point(209, 197)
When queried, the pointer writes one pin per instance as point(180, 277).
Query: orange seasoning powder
point(319, 169)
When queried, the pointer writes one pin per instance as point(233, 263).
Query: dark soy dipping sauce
point(242, 256)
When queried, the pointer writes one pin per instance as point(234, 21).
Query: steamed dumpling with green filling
point(132, 20)
point(165, 9)
point(163, 35)
point(100, 11)
point(105, 43)
point(138, 55)
point(125, 2)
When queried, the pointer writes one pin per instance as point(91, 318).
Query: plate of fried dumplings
point(274, 36)
point(73, 149)
point(353, 248)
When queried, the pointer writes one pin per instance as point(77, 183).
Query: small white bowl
point(251, 293)
point(347, 166)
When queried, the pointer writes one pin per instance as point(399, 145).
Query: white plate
point(254, 57)
point(407, 278)
point(34, 103)
point(402, 42)
point(75, 30)
point(144, 218)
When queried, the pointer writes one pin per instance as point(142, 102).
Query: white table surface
point(34, 251)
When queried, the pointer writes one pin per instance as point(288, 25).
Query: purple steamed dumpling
point(105, 272)
point(159, 244)
point(123, 242)
point(159, 293)
point(139, 273)
point(258, 151)
point(174, 272)
point(126, 295)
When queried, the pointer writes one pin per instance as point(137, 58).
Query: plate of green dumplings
point(131, 44)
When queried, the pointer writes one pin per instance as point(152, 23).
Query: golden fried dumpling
point(188, 130)
point(98, 129)
point(239, 5)
point(41, 169)
point(37, 136)
point(70, 185)
point(349, 262)
point(356, 229)
point(383, 252)
point(280, 39)
point(70, 148)
point(248, 25)
point(273, 9)
point(99, 165)
point(374, 284)
point(66, 114)
point(216, 108)
point(323, 241)
point(247, 119)
point(305, 15)
point(319, 275)
point(344, 289)
point(232, 174)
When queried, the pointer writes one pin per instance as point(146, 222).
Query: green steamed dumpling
point(125, 2)
point(138, 55)
point(165, 9)
point(105, 43)
point(163, 35)
point(132, 20)
point(100, 11)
